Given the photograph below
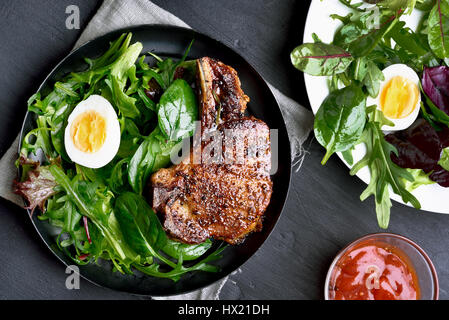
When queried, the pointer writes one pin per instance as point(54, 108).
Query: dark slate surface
point(323, 212)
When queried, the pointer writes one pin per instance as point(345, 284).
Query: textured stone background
point(323, 211)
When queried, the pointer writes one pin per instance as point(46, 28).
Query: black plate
point(172, 41)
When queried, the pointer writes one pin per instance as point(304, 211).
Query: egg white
point(389, 73)
point(111, 144)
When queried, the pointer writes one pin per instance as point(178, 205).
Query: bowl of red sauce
point(382, 266)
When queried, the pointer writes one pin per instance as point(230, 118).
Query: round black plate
point(171, 41)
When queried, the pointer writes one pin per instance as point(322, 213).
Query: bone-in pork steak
point(225, 193)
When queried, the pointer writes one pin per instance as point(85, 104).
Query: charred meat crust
point(222, 97)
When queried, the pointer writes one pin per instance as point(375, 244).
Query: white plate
point(432, 197)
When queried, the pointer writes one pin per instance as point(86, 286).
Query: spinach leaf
point(144, 232)
point(187, 251)
point(180, 269)
point(368, 74)
point(438, 29)
point(166, 69)
point(38, 139)
point(147, 101)
point(153, 154)
point(348, 33)
point(340, 121)
point(139, 224)
point(178, 111)
point(354, 26)
point(319, 59)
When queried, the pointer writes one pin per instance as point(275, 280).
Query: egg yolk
point(88, 131)
point(399, 98)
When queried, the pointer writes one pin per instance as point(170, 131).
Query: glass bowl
point(419, 260)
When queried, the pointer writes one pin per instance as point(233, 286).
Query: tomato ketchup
point(374, 270)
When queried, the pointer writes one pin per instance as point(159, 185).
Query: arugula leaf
point(119, 176)
point(147, 101)
point(175, 274)
point(115, 50)
point(125, 103)
point(319, 59)
point(94, 208)
point(409, 40)
point(144, 233)
point(125, 62)
point(37, 139)
point(340, 121)
point(384, 173)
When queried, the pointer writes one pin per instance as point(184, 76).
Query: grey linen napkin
point(117, 14)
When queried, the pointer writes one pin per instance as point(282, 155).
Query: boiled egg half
point(92, 135)
point(399, 97)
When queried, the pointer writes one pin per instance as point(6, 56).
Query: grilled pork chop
point(225, 195)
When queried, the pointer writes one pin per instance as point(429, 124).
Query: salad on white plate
point(380, 89)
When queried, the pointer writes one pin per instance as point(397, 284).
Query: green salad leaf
point(178, 111)
point(365, 43)
point(384, 173)
point(438, 29)
point(370, 39)
point(340, 121)
point(420, 178)
point(444, 160)
point(152, 154)
point(319, 59)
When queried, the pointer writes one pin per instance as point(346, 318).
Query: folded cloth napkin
point(118, 14)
